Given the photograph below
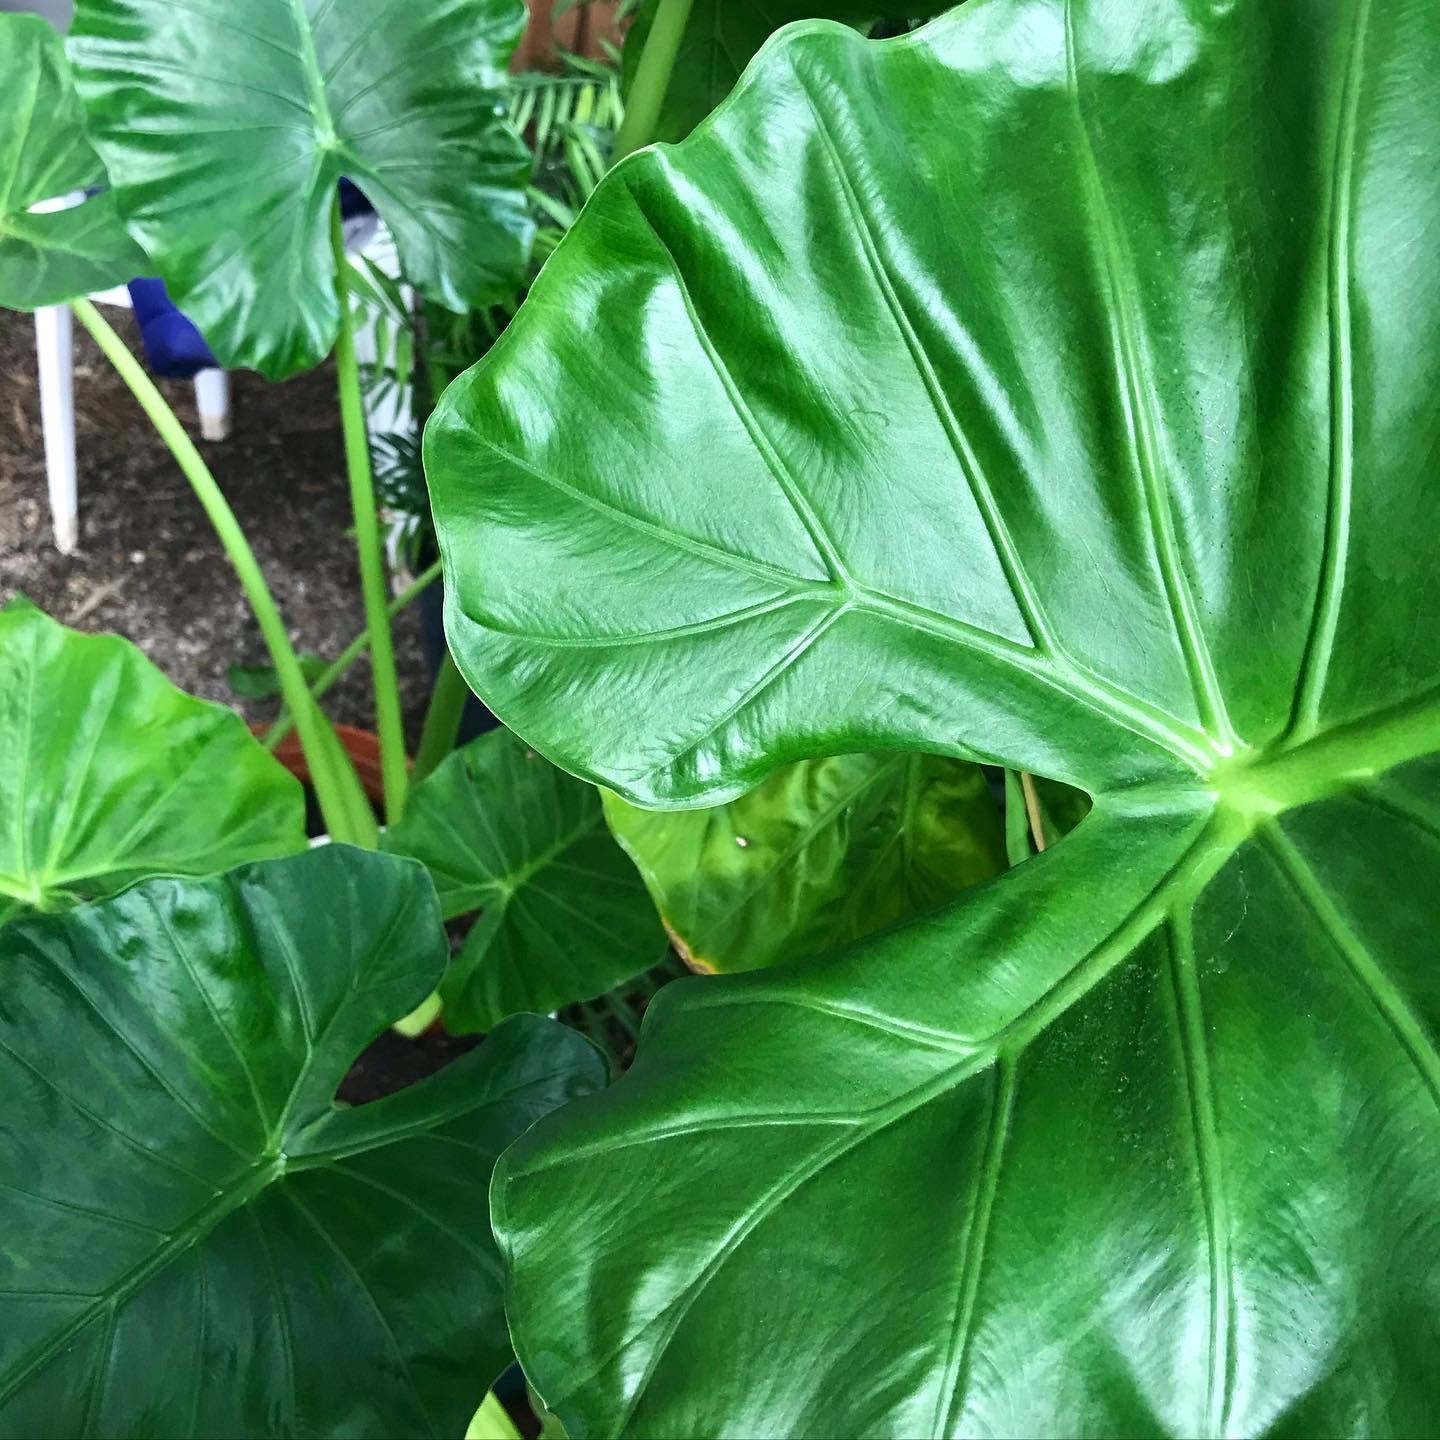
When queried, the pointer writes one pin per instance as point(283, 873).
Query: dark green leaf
point(1056, 386)
point(260, 682)
point(197, 1239)
point(49, 257)
point(226, 127)
point(723, 36)
point(563, 913)
point(109, 773)
point(822, 853)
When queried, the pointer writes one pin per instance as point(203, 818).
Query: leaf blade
point(238, 1174)
point(564, 915)
point(307, 95)
point(52, 255)
point(111, 774)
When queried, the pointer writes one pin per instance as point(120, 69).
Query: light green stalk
point(337, 787)
point(442, 720)
point(388, 722)
point(652, 78)
point(335, 671)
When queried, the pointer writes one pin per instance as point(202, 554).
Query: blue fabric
point(174, 348)
point(352, 201)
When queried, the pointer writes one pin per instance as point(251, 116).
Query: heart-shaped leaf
point(1056, 385)
point(564, 915)
point(197, 1239)
point(69, 247)
point(723, 36)
point(820, 854)
point(109, 773)
point(225, 128)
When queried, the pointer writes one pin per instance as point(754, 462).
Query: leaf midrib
point(318, 102)
point(1330, 589)
point(1137, 392)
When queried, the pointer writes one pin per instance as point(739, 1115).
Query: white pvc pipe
point(55, 355)
point(212, 400)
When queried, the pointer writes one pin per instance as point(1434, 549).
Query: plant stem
point(332, 782)
point(442, 720)
point(652, 78)
point(331, 675)
point(1032, 809)
point(367, 542)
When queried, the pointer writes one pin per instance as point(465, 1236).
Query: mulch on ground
point(149, 567)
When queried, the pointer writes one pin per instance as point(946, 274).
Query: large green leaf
point(194, 1238)
point(1058, 386)
point(820, 854)
point(723, 36)
point(109, 773)
point(54, 255)
point(225, 127)
point(563, 913)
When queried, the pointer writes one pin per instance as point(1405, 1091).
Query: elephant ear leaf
point(60, 235)
point(1091, 432)
point(722, 37)
point(226, 129)
point(108, 773)
point(198, 1240)
point(822, 853)
point(563, 915)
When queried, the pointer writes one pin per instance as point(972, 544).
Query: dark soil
point(149, 566)
point(392, 1062)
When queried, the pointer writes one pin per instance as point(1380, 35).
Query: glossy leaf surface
point(109, 773)
point(197, 1240)
point(55, 255)
point(722, 37)
point(1089, 430)
point(226, 127)
point(564, 915)
point(820, 854)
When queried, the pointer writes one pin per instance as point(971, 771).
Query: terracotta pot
point(582, 29)
point(362, 746)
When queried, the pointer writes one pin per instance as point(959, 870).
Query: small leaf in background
point(197, 1239)
point(822, 853)
point(261, 682)
point(109, 773)
point(564, 915)
point(51, 255)
point(492, 1422)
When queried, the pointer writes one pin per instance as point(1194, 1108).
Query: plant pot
point(363, 748)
